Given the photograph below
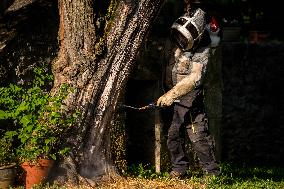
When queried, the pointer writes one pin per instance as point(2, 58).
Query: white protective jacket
point(187, 73)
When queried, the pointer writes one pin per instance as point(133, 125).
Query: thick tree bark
point(96, 64)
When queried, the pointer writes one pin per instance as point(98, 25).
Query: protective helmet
point(186, 31)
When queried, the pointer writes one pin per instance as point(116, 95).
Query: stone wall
point(252, 121)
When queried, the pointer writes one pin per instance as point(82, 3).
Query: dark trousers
point(189, 114)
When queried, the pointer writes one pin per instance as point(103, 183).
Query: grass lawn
point(138, 177)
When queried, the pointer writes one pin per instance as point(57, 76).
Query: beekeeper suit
point(188, 62)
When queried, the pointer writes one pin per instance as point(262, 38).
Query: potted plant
point(7, 161)
point(41, 122)
point(41, 137)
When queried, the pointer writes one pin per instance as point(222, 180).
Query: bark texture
point(96, 62)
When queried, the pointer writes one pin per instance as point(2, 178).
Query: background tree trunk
point(96, 62)
point(4, 4)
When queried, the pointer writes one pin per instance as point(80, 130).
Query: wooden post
point(157, 141)
point(158, 131)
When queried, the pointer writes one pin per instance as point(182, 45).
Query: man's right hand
point(165, 100)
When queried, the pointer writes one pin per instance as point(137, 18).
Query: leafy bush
point(39, 117)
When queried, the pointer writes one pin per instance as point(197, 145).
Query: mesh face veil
point(186, 31)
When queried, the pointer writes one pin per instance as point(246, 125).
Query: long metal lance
point(149, 106)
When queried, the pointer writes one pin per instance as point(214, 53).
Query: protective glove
point(165, 100)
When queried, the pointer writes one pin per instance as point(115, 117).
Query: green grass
point(248, 177)
point(231, 177)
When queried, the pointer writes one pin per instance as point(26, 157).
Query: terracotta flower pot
point(37, 173)
point(7, 176)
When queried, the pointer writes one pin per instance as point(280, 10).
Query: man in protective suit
point(189, 61)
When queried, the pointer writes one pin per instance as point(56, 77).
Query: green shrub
point(39, 118)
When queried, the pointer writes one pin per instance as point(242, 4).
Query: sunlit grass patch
point(231, 177)
point(135, 183)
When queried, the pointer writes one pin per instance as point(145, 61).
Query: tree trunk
point(96, 62)
point(5, 4)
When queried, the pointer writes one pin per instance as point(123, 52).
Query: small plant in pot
point(41, 122)
point(7, 160)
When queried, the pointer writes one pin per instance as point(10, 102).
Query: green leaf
point(49, 140)
point(11, 134)
point(64, 151)
point(26, 119)
point(23, 106)
point(53, 156)
point(3, 114)
point(46, 148)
